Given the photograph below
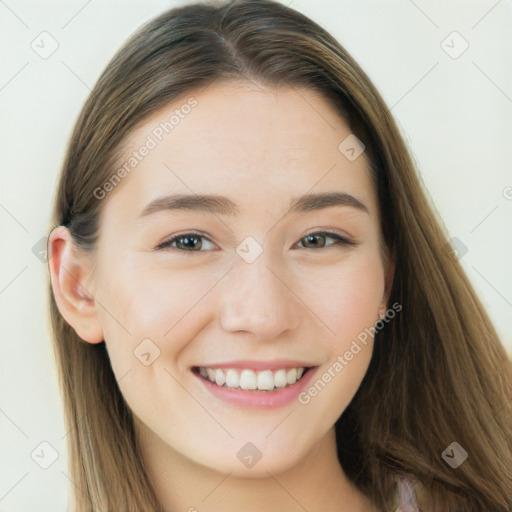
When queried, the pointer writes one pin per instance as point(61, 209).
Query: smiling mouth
point(250, 380)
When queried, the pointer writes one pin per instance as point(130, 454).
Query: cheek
point(348, 304)
point(346, 298)
point(143, 302)
point(148, 319)
point(149, 300)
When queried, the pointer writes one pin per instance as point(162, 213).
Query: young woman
point(254, 306)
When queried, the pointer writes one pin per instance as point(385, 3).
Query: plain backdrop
point(443, 67)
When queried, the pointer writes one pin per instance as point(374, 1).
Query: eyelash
point(340, 240)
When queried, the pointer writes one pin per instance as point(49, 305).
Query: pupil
point(311, 238)
point(188, 241)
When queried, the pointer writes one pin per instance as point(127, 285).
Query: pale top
point(405, 496)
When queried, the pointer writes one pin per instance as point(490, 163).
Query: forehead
point(252, 144)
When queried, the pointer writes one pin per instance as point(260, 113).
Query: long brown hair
point(438, 373)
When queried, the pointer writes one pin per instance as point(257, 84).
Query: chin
point(249, 462)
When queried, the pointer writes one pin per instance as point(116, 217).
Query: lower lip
point(258, 399)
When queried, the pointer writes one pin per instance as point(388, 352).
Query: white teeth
point(219, 377)
point(248, 380)
point(232, 379)
point(280, 379)
point(265, 380)
point(291, 376)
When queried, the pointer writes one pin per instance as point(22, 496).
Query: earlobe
point(70, 277)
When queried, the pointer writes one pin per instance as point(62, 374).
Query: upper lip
point(275, 364)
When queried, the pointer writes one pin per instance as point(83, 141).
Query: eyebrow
point(216, 204)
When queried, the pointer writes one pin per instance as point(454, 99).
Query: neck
point(316, 483)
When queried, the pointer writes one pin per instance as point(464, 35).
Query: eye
point(192, 242)
point(311, 240)
point(186, 242)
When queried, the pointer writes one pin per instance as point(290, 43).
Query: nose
point(256, 298)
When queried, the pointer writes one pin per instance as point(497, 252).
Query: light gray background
point(455, 113)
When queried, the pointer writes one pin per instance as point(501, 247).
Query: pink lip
point(276, 364)
point(258, 399)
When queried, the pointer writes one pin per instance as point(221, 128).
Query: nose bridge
point(256, 299)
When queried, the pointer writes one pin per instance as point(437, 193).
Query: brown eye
point(318, 240)
point(185, 242)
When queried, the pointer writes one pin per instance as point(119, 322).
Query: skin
point(260, 147)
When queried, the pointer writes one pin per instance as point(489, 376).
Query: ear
point(388, 280)
point(72, 284)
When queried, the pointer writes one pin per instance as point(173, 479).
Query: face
point(245, 288)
